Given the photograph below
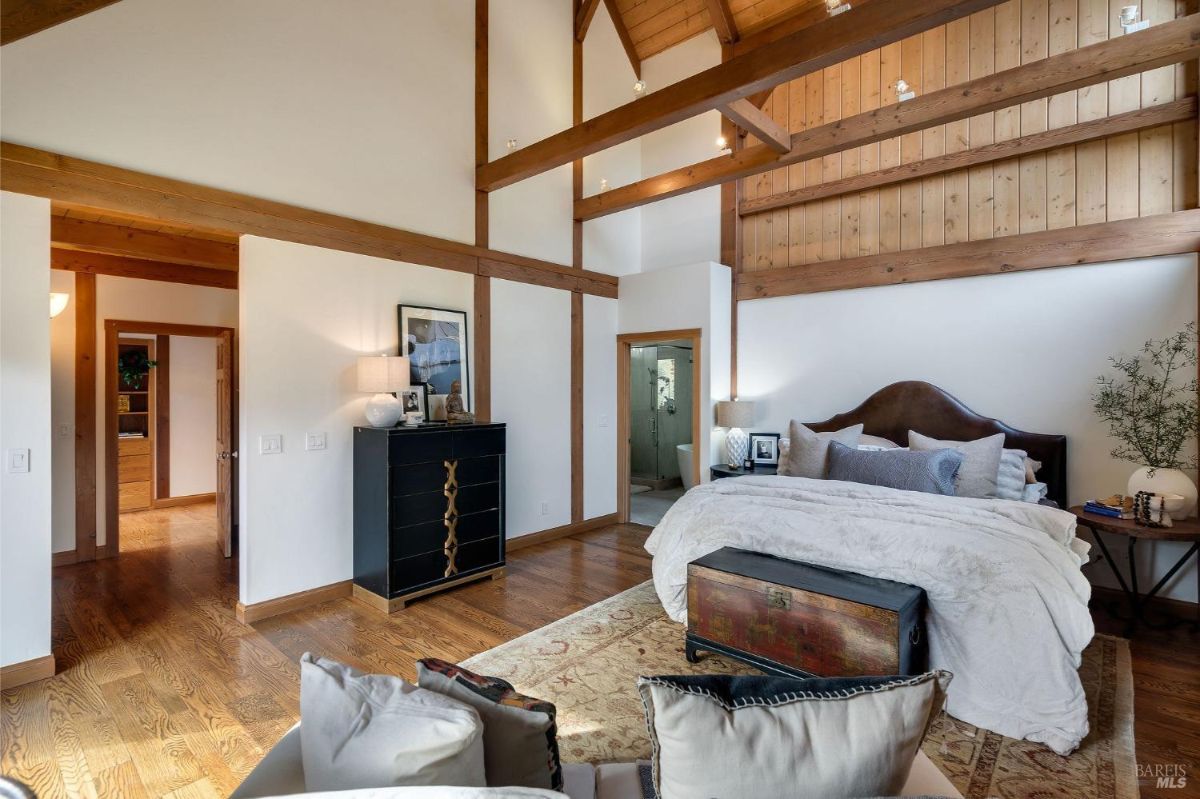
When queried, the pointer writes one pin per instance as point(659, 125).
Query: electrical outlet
point(545, 508)
point(314, 441)
point(270, 444)
point(18, 462)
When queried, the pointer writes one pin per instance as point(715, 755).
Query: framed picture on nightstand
point(764, 449)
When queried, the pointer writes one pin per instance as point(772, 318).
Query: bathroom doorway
point(658, 411)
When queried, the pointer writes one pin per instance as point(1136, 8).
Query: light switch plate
point(17, 461)
point(270, 444)
point(314, 441)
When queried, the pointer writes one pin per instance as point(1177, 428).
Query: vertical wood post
point(576, 296)
point(85, 416)
point(483, 283)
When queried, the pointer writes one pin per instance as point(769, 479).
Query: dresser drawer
point(432, 447)
point(418, 508)
point(418, 478)
point(417, 539)
point(416, 571)
point(477, 443)
point(477, 526)
point(471, 471)
point(477, 555)
point(133, 446)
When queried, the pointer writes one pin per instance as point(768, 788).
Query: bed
point(1008, 608)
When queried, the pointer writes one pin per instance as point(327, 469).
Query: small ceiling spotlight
point(904, 91)
point(639, 87)
point(511, 144)
point(603, 184)
point(835, 7)
point(722, 144)
point(1129, 19)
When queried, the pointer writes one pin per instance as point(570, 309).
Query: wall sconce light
point(603, 184)
point(511, 144)
point(1129, 19)
point(722, 144)
point(58, 303)
point(904, 91)
point(835, 7)
point(639, 87)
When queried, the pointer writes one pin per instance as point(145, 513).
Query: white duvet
point(1007, 600)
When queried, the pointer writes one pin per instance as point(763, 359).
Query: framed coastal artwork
point(435, 342)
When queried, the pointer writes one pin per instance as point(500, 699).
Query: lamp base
point(384, 410)
point(737, 447)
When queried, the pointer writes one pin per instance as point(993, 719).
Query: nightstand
point(725, 470)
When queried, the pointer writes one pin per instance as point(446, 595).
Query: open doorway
point(658, 407)
point(169, 425)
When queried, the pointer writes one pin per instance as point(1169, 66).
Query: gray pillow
point(520, 737)
point(929, 472)
point(808, 452)
point(981, 462)
point(376, 731)
point(783, 738)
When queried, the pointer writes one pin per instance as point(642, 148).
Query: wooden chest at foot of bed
point(792, 618)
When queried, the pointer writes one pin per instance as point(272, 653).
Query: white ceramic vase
point(1165, 481)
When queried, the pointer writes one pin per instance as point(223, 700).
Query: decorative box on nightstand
point(428, 509)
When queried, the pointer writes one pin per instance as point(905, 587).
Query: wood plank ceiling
point(655, 25)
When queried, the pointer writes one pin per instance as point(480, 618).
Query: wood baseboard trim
point(71, 556)
point(189, 499)
point(26, 671)
point(555, 533)
point(1179, 608)
point(257, 611)
point(385, 605)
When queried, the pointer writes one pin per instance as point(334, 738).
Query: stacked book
point(1115, 507)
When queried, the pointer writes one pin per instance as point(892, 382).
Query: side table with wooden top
point(1185, 530)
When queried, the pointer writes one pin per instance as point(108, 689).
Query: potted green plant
point(1151, 410)
point(132, 367)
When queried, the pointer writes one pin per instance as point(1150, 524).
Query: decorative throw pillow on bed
point(520, 738)
point(808, 452)
point(930, 472)
point(783, 738)
point(375, 731)
point(1010, 480)
point(981, 462)
point(876, 442)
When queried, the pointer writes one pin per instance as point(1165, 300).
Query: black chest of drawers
point(428, 509)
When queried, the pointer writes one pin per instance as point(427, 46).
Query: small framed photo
point(414, 400)
point(764, 449)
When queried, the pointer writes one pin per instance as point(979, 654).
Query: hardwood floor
point(161, 692)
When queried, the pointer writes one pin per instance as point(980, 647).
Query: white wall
point(685, 297)
point(531, 393)
point(307, 314)
point(684, 229)
point(193, 385)
point(599, 406)
point(1023, 347)
point(290, 100)
point(25, 409)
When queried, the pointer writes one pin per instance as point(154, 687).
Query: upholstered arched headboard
point(915, 405)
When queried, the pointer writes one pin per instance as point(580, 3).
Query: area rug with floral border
point(587, 664)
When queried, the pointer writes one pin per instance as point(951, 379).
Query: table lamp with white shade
point(736, 415)
point(381, 375)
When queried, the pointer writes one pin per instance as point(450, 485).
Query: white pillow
point(980, 466)
point(876, 443)
point(374, 731)
point(781, 738)
point(1010, 480)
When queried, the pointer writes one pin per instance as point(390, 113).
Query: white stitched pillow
point(980, 466)
point(375, 731)
point(783, 738)
point(808, 452)
point(1010, 479)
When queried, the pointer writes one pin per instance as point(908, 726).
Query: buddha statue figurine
point(455, 412)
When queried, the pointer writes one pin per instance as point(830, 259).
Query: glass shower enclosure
point(660, 405)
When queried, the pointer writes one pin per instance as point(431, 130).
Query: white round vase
point(384, 410)
point(1165, 481)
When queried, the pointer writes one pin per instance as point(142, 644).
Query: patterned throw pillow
point(520, 736)
point(929, 472)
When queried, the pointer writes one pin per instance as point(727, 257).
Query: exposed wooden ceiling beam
point(118, 266)
point(831, 42)
point(626, 41)
point(583, 18)
point(722, 21)
point(1139, 119)
point(745, 115)
point(27, 170)
point(79, 234)
point(1167, 43)
point(21, 18)
point(1163, 234)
